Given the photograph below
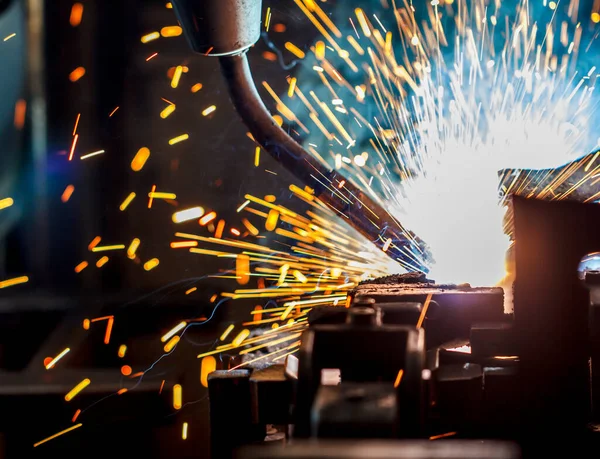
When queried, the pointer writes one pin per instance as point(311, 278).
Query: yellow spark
point(176, 76)
point(122, 350)
point(52, 437)
point(172, 343)
point(76, 14)
point(207, 366)
point(102, 261)
point(398, 378)
point(595, 18)
point(140, 158)
point(227, 332)
point(184, 431)
point(283, 272)
point(150, 37)
point(193, 289)
point(86, 324)
point(14, 281)
point(183, 244)
point(127, 201)
point(355, 45)
point(242, 269)
point(268, 19)
point(362, 20)
point(256, 156)
point(171, 31)
point(187, 214)
point(57, 358)
point(161, 195)
point(237, 341)
point(78, 388)
point(8, 37)
point(197, 87)
point(299, 276)
point(113, 112)
point(208, 110)
point(135, 243)
point(6, 202)
point(176, 329)
point(219, 230)
point(89, 155)
point(67, 193)
point(272, 219)
point(167, 111)
point(292, 87)
point(386, 244)
point(105, 248)
point(151, 264)
point(81, 266)
point(292, 48)
point(179, 138)
point(320, 50)
point(177, 396)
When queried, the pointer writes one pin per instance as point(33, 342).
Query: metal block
point(271, 394)
point(491, 339)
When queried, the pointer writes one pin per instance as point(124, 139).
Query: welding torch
point(227, 29)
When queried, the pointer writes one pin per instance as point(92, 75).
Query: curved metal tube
point(362, 213)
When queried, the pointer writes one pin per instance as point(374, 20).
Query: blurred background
point(77, 78)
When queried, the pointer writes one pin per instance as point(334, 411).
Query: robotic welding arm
point(227, 29)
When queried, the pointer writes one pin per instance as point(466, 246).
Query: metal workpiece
point(353, 410)
point(454, 309)
point(219, 27)
point(231, 423)
point(271, 394)
point(363, 354)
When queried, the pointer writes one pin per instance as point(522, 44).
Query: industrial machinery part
point(485, 374)
point(227, 28)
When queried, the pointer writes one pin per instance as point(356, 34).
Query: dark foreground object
point(369, 382)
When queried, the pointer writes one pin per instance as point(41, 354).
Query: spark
point(8, 37)
point(197, 87)
point(95, 153)
point(6, 203)
point(171, 31)
point(209, 217)
point(57, 358)
point(126, 370)
point(184, 431)
point(132, 249)
point(191, 290)
point(151, 264)
point(66, 195)
point(113, 112)
point(268, 19)
point(167, 111)
point(176, 76)
point(127, 201)
point(208, 110)
point(177, 397)
point(122, 350)
point(176, 329)
point(73, 145)
point(105, 248)
point(20, 112)
point(150, 37)
point(187, 214)
point(52, 437)
point(207, 366)
point(77, 389)
point(179, 138)
point(76, 14)
point(102, 261)
point(227, 331)
point(295, 50)
point(77, 74)
point(168, 347)
point(152, 56)
point(81, 266)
